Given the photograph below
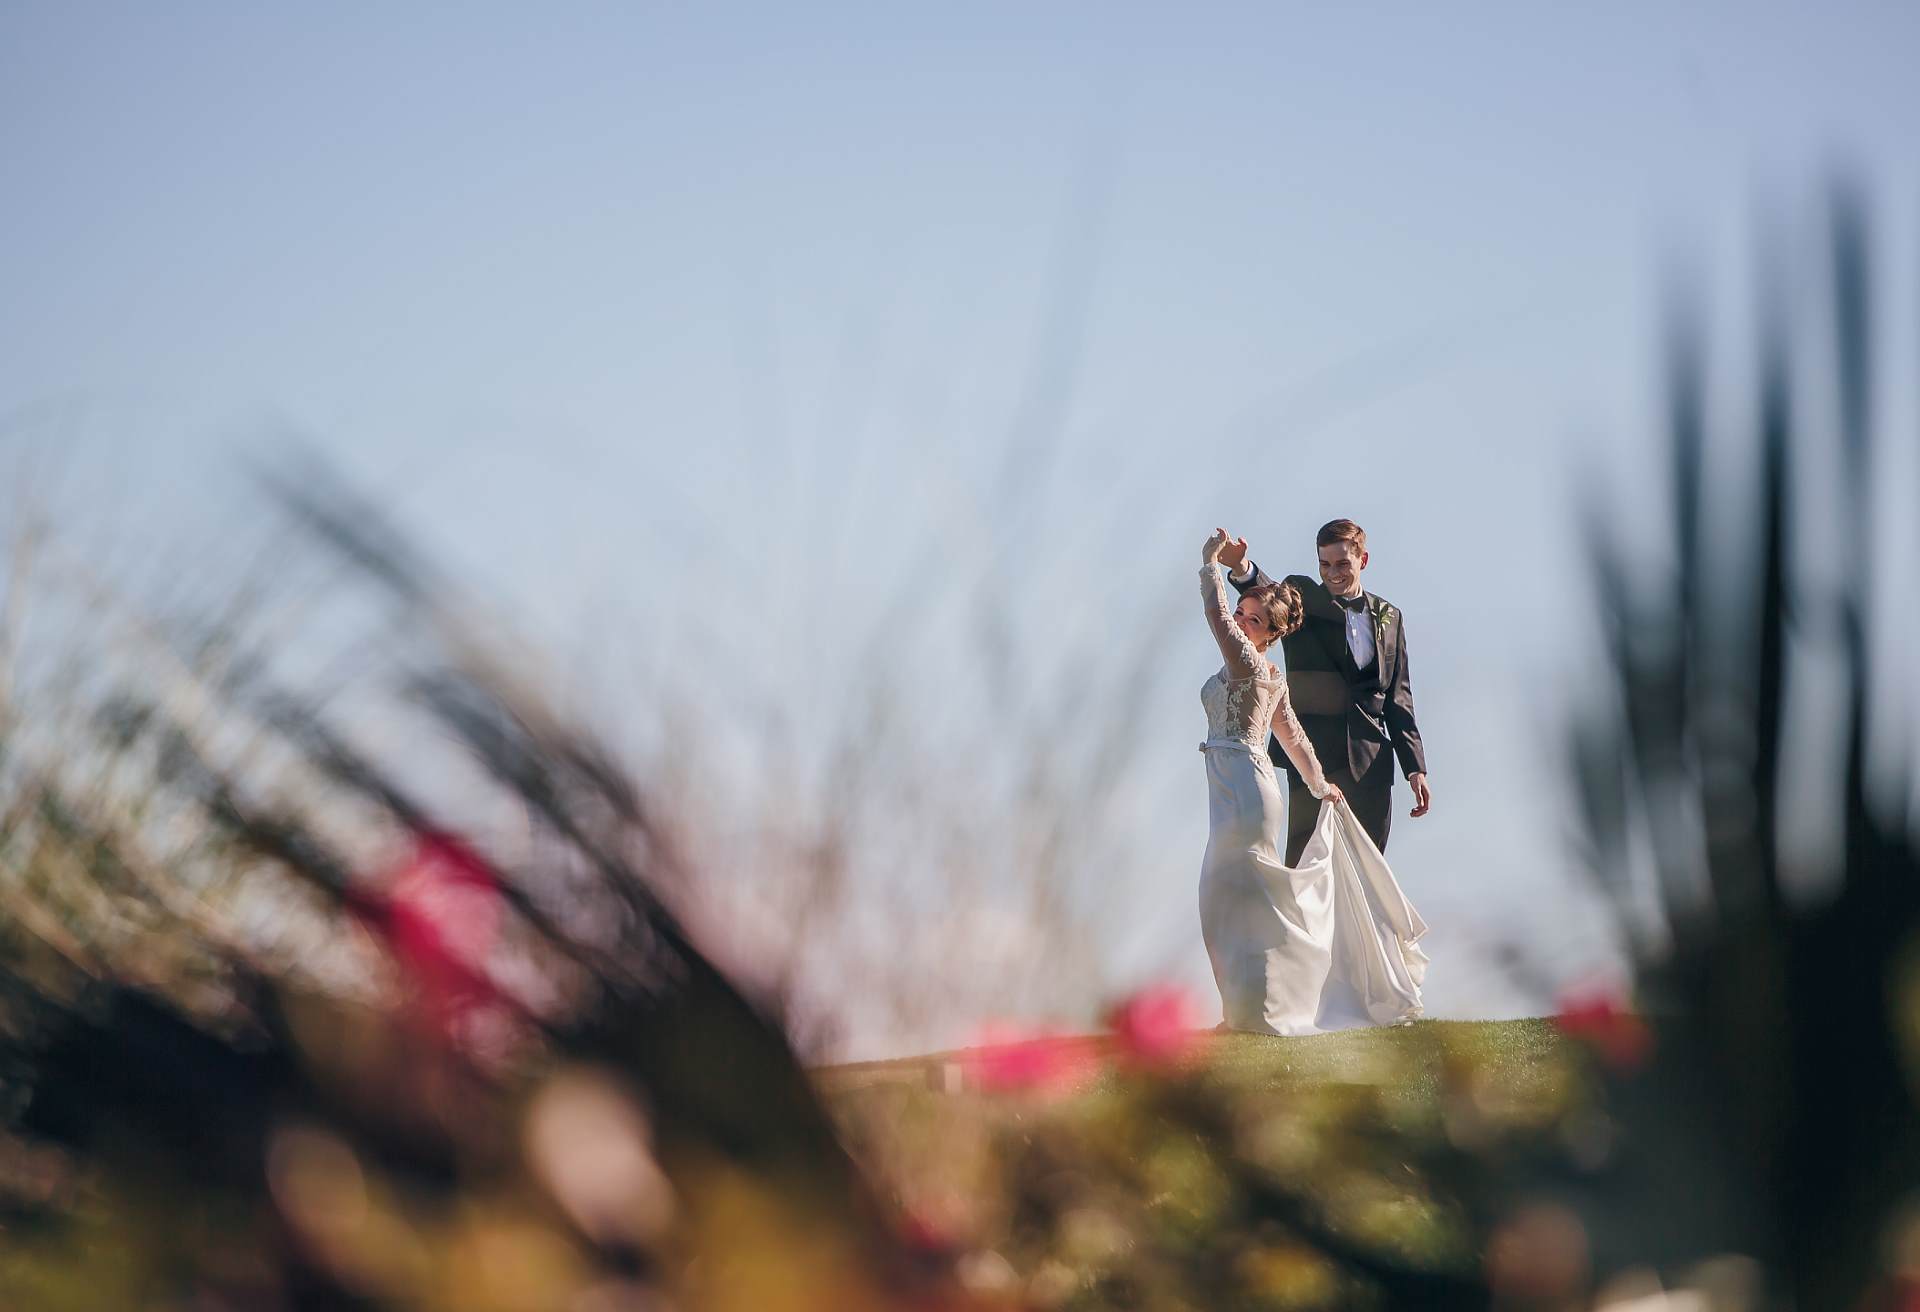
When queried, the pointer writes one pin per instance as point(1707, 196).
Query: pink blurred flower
point(440, 917)
point(926, 1235)
point(1008, 1060)
point(1601, 1019)
point(445, 902)
point(1155, 1027)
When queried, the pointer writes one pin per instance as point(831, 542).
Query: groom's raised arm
point(1249, 577)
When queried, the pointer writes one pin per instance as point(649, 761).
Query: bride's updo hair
point(1281, 604)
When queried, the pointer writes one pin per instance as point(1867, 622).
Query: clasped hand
point(1226, 550)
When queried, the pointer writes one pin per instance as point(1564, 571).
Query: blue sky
point(650, 316)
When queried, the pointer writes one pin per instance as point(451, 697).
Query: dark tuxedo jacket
point(1349, 714)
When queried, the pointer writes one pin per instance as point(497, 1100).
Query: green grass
point(1516, 1053)
point(1510, 1051)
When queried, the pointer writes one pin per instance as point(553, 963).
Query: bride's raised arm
point(1294, 742)
point(1237, 649)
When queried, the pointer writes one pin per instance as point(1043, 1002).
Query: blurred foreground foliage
point(311, 1003)
point(1354, 1170)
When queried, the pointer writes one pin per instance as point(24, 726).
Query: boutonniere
point(1386, 614)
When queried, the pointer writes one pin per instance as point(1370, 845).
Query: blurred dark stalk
point(1778, 1118)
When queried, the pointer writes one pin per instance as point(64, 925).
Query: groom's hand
point(1422, 798)
point(1234, 555)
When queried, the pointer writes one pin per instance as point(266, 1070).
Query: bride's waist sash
point(1258, 753)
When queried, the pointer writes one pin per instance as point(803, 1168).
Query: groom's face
point(1340, 567)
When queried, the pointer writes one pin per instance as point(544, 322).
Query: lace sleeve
point(1242, 660)
point(1293, 741)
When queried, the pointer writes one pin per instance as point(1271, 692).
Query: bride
point(1331, 943)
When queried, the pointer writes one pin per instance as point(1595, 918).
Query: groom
point(1347, 673)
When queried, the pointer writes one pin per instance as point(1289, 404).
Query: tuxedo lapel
point(1385, 638)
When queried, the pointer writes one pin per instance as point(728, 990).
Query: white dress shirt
point(1359, 634)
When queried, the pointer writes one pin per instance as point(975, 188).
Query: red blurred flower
point(1011, 1061)
point(440, 917)
point(926, 1236)
point(1600, 1019)
point(1155, 1027)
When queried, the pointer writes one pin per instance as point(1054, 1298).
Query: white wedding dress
point(1329, 944)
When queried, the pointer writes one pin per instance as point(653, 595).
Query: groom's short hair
point(1341, 530)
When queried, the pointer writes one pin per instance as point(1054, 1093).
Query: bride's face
point(1253, 622)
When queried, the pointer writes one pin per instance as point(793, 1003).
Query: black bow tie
point(1354, 604)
